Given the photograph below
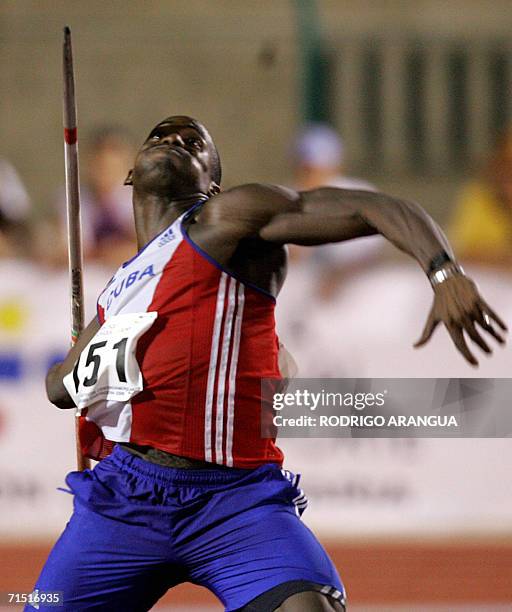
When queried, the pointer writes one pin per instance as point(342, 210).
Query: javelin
point(73, 211)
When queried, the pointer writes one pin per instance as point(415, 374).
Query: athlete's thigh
point(259, 549)
point(102, 564)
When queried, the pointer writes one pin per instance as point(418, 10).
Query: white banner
point(404, 487)
point(37, 446)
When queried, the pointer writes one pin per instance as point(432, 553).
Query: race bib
point(107, 368)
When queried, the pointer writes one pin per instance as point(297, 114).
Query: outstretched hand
point(459, 305)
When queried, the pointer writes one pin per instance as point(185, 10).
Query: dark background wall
point(235, 65)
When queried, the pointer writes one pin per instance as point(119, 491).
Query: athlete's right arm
point(55, 389)
point(324, 215)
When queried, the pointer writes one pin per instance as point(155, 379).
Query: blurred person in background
point(107, 216)
point(481, 226)
point(14, 212)
point(318, 157)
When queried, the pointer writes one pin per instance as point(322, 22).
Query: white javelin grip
point(107, 369)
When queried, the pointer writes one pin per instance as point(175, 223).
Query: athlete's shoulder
point(257, 192)
point(252, 202)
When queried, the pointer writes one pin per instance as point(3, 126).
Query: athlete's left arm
point(333, 215)
point(55, 389)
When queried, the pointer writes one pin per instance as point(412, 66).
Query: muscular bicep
point(280, 215)
point(322, 216)
point(243, 211)
point(326, 215)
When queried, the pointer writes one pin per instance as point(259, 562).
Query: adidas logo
point(166, 237)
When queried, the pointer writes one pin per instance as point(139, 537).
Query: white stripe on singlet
point(232, 375)
point(223, 366)
point(214, 351)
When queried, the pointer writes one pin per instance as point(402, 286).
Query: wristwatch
point(441, 268)
point(443, 274)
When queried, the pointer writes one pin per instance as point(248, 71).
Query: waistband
point(155, 455)
point(129, 462)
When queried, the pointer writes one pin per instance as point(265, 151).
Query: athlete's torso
point(203, 359)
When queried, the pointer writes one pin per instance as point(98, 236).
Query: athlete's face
point(175, 159)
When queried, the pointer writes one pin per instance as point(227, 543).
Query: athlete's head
point(178, 158)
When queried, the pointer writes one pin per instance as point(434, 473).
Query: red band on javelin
point(70, 136)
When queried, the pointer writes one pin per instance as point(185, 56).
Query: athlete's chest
point(133, 286)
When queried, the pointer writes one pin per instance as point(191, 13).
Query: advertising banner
point(357, 486)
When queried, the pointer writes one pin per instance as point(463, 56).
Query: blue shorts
point(139, 529)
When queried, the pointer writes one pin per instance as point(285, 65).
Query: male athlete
point(170, 370)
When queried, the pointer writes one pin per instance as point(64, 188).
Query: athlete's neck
point(153, 213)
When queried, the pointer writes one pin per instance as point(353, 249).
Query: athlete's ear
point(214, 189)
point(128, 180)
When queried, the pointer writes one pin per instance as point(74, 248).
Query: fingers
point(459, 341)
point(472, 332)
point(428, 330)
point(467, 324)
point(487, 309)
point(457, 322)
point(485, 323)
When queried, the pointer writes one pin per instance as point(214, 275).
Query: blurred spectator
point(14, 212)
point(106, 204)
point(318, 157)
point(481, 227)
point(318, 160)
